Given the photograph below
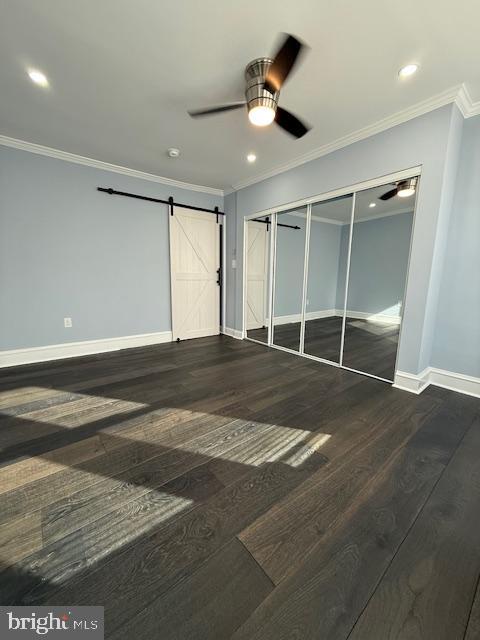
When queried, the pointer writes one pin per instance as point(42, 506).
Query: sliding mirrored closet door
point(380, 248)
point(337, 277)
point(257, 258)
point(327, 265)
point(290, 234)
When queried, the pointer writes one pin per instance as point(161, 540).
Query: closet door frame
point(308, 202)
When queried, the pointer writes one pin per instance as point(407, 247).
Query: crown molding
point(458, 95)
point(100, 164)
point(465, 103)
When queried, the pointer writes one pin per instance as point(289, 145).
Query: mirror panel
point(257, 272)
point(379, 256)
point(289, 269)
point(327, 263)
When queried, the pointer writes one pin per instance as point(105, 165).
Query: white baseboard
point(455, 381)
point(15, 357)
point(459, 382)
point(296, 317)
point(233, 333)
point(411, 382)
point(372, 317)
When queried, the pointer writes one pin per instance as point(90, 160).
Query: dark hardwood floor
point(370, 347)
point(219, 489)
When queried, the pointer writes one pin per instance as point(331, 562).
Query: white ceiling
point(123, 74)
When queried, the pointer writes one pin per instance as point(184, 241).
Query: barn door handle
point(219, 276)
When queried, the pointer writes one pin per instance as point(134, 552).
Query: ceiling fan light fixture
point(407, 188)
point(261, 116)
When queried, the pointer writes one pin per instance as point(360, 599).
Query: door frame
point(328, 195)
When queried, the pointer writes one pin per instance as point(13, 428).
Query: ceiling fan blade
point(290, 123)
point(283, 63)
point(212, 110)
point(389, 194)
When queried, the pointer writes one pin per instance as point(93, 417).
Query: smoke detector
point(173, 153)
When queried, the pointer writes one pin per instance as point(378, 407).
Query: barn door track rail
point(171, 202)
point(279, 224)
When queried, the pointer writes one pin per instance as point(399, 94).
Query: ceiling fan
point(265, 77)
point(403, 189)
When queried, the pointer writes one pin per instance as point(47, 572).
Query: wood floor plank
point(280, 538)
point(33, 469)
point(131, 453)
point(20, 538)
point(212, 603)
point(437, 568)
point(91, 503)
point(78, 551)
point(157, 563)
point(343, 570)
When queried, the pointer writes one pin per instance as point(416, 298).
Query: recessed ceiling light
point(251, 157)
point(372, 204)
point(408, 70)
point(38, 77)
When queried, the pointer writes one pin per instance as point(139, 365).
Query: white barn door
point(257, 275)
point(194, 261)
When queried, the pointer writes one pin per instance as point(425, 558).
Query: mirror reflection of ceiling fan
point(403, 189)
point(264, 79)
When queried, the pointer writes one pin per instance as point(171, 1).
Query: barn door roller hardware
point(171, 202)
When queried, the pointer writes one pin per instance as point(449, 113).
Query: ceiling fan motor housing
point(255, 93)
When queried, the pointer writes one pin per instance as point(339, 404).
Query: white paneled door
point(257, 275)
point(194, 264)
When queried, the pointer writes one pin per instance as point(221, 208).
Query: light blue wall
point(289, 265)
point(378, 266)
point(457, 334)
point(450, 171)
point(421, 141)
point(68, 250)
point(323, 265)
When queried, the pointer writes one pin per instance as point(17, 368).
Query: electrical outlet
point(67, 323)
point(308, 302)
point(234, 264)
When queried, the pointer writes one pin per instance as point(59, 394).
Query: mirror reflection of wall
point(326, 277)
point(258, 282)
point(289, 268)
point(378, 271)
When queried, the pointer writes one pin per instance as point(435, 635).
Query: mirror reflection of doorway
point(257, 259)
